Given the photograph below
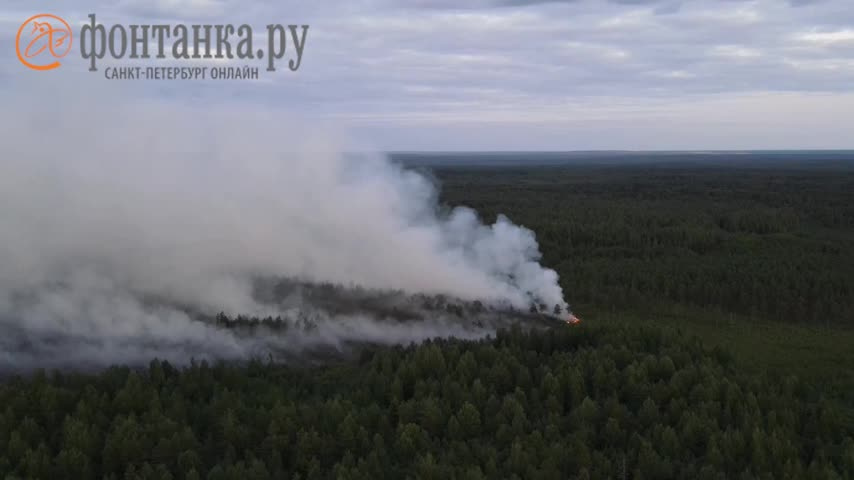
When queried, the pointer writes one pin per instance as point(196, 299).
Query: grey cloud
point(419, 59)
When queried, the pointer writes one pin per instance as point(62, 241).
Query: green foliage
point(573, 402)
point(771, 243)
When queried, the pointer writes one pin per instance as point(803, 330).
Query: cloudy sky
point(510, 74)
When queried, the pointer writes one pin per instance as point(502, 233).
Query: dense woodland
point(621, 399)
point(775, 243)
point(588, 402)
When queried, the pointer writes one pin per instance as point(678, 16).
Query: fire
point(572, 319)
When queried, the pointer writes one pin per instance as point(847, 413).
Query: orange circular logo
point(42, 40)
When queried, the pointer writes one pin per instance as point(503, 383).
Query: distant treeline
point(773, 243)
point(767, 159)
point(574, 402)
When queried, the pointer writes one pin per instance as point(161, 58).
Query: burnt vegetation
point(307, 304)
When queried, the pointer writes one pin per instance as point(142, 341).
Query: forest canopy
point(573, 402)
point(772, 241)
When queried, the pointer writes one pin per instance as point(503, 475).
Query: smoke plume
point(122, 225)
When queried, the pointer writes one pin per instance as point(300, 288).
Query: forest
point(772, 243)
point(591, 402)
point(717, 302)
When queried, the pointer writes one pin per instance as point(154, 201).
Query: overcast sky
point(512, 74)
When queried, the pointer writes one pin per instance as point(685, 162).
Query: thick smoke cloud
point(120, 223)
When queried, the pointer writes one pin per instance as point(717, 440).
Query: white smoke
point(108, 214)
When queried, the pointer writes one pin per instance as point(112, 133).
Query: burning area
point(165, 229)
